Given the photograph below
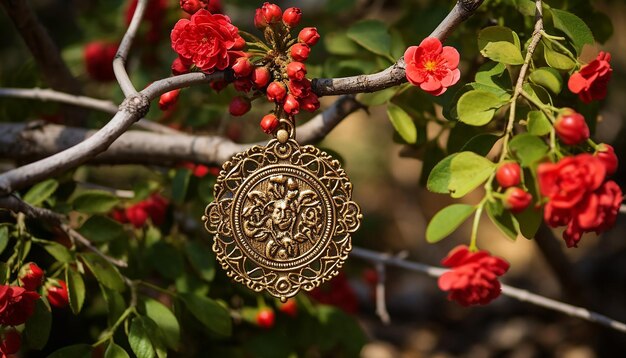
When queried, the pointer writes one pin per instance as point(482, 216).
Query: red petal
point(451, 55)
point(431, 45)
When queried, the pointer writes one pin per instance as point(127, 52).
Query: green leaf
point(100, 229)
point(115, 304)
point(338, 43)
point(503, 52)
point(139, 340)
point(104, 271)
point(58, 251)
point(477, 107)
point(403, 123)
point(75, 351)
point(573, 27)
point(538, 123)
point(4, 272)
point(213, 315)
point(459, 174)
point(503, 219)
point(481, 144)
point(493, 74)
point(156, 337)
point(556, 59)
point(165, 320)
point(41, 191)
point(548, 78)
point(372, 35)
point(525, 7)
point(202, 259)
point(4, 238)
point(166, 259)
point(500, 44)
point(529, 221)
point(180, 183)
point(377, 98)
point(37, 329)
point(75, 289)
point(115, 351)
point(528, 148)
point(94, 202)
point(447, 220)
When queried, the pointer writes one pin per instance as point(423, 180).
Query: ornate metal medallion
point(282, 217)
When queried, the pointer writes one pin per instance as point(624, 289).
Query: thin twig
point(119, 62)
point(513, 292)
point(83, 241)
point(381, 306)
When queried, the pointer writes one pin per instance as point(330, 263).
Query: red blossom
point(309, 36)
point(168, 99)
point(337, 292)
point(31, 276)
point(570, 127)
point(56, 293)
point(516, 199)
point(289, 308)
point(591, 81)
point(606, 154)
point(276, 92)
point(310, 103)
point(179, 67)
point(11, 342)
point(432, 66)
point(509, 174)
point(99, 57)
point(265, 318)
point(154, 207)
point(473, 278)
point(16, 305)
point(292, 16)
point(239, 106)
point(269, 123)
point(206, 40)
point(260, 77)
point(300, 52)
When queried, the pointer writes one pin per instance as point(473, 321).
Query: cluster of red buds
point(276, 71)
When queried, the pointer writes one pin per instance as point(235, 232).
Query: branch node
point(137, 104)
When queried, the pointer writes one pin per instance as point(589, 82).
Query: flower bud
point(261, 77)
point(292, 16)
point(309, 36)
point(242, 67)
point(276, 92)
point(509, 174)
point(606, 154)
point(269, 123)
point(516, 199)
point(168, 99)
point(300, 89)
point(179, 67)
point(99, 60)
point(259, 19)
point(191, 6)
point(242, 84)
point(571, 127)
point(271, 13)
point(265, 318)
point(10, 343)
point(239, 106)
point(56, 293)
point(300, 52)
point(310, 103)
point(289, 308)
point(31, 276)
point(240, 43)
point(296, 71)
point(291, 105)
point(218, 85)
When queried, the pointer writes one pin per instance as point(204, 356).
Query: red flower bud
point(192, 6)
point(296, 70)
point(300, 89)
point(271, 13)
point(168, 99)
point(265, 318)
point(242, 84)
point(239, 106)
point(289, 308)
point(259, 19)
point(218, 85)
point(178, 67)
point(310, 103)
point(269, 123)
point(261, 77)
point(292, 16)
point(276, 92)
point(242, 67)
point(240, 43)
point(291, 105)
point(516, 199)
point(99, 60)
point(57, 293)
point(300, 52)
point(137, 215)
point(606, 154)
point(571, 127)
point(309, 36)
point(11, 342)
point(509, 174)
point(214, 6)
point(31, 276)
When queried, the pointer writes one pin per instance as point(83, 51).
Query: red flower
point(591, 81)
point(269, 123)
point(606, 154)
point(289, 308)
point(261, 77)
point(31, 276)
point(265, 318)
point(571, 127)
point(300, 52)
point(57, 293)
point(337, 292)
point(168, 99)
point(155, 208)
point(11, 342)
point(516, 199)
point(179, 67)
point(292, 16)
point(99, 57)
point(474, 276)
point(239, 106)
point(432, 66)
point(16, 305)
point(276, 91)
point(309, 36)
point(310, 103)
point(299, 88)
point(206, 40)
point(577, 197)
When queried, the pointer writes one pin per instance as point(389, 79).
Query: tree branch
point(395, 74)
point(513, 292)
point(119, 62)
point(24, 142)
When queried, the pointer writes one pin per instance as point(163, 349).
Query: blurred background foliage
point(174, 254)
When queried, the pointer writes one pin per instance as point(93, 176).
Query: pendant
point(282, 216)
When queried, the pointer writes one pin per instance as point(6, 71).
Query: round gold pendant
point(282, 217)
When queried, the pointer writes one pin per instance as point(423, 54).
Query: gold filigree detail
point(282, 217)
